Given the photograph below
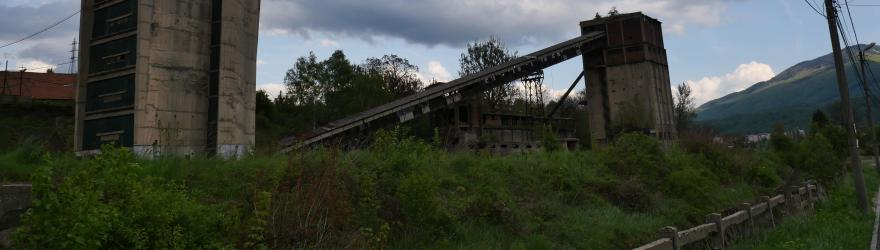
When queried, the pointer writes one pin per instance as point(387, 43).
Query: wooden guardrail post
point(750, 227)
point(810, 197)
point(670, 233)
point(770, 215)
point(786, 199)
point(792, 199)
point(718, 239)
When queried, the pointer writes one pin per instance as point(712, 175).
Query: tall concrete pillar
point(628, 84)
point(168, 77)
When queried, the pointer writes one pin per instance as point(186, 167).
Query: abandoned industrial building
point(627, 84)
point(178, 78)
point(174, 77)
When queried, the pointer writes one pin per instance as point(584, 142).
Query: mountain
point(789, 98)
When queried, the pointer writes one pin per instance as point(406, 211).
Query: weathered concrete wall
point(15, 199)
point(236, 122)
point(171, 101)
point(172, 108)
point(628, 79)
point(638, 93)
point(641, 91)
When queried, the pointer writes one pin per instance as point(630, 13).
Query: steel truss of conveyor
point(446, 94)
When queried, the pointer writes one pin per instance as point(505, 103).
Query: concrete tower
point(628, 80)
point(168, 77)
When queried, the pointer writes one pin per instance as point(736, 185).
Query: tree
point(338, 72)
point(833, 133)
point(320, 91)
point(613, 11)
point(264, 104)
point(779, 140)
point(399, 76)
point(820, 120)
point(305, 81)
point(484, 55)
point(685, 109)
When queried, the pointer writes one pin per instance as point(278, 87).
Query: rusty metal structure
point(626, 75)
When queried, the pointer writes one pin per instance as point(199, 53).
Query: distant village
point(759, 140)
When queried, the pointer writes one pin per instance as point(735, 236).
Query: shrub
point(693, 185)
point(311, 205)
point(636, 156)
point(16, 165)
point(627, 195)
point(816, 158)
point(108, 203)
point(421, 206)
point(764, 173)
point(549, 139)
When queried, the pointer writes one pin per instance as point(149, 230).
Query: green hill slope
point(789, 98)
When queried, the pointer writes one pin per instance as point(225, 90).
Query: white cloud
point(329, 43)
point(260, 62)
point(436, 71)
point(554, 94)
point(272, 89)
point(712, 87)
point(34, 66)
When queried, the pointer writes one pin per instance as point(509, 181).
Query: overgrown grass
point(836, 224)
point(28, 132)
point(47, 124)
point(405, 194)
point(18, 164)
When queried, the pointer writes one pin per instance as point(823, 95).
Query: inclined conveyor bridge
point(442, 95)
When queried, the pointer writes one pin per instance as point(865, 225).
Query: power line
point(41, 31)
point(851, 56)
point(852, 24)
point(814, 8)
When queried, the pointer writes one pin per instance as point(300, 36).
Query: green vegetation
point(28, 132)
point(45, 124)
point(836, 224)
point(321, 91)
point(400, 193)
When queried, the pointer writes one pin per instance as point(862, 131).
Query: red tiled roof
point(40, 86)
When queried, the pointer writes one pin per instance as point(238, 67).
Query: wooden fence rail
point(719, 231)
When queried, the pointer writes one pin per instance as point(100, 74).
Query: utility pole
point(72, 57)
point(21, 81)
point(6, 78)
point(843, 85)
point(868, 105)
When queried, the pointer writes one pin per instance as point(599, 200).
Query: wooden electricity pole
point(5, 79)
point(843, 85)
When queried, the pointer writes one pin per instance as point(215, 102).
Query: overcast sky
point(719, 46)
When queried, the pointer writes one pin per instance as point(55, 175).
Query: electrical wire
point(850, 54)
point(856, 36)
point(814, 8)
point(41, 31)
